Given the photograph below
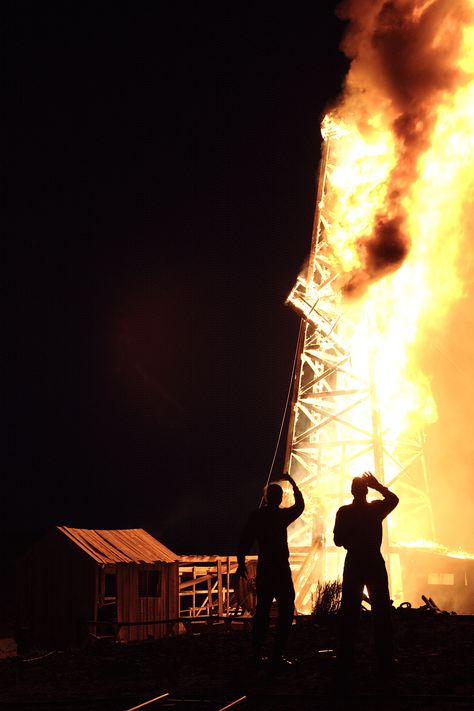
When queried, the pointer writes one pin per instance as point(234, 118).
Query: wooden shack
point(448, 578)
point(77, 582)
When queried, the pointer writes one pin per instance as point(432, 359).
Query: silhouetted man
point(359, 529)
point(268, 527)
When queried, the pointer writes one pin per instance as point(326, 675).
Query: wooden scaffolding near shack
point(207, 587)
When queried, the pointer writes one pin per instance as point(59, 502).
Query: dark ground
point(434, 670)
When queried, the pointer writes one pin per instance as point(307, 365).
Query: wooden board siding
point(132, 608)
point(56, 592)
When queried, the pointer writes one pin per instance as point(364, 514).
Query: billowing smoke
point(405, 60)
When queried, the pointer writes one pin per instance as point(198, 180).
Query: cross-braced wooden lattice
point(336, 428)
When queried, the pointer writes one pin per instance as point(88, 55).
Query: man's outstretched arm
point(390, 499)
point(298, 507)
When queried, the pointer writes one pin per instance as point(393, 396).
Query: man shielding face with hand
point(358, 528)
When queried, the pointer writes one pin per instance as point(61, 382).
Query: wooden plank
point(219, 588)
point(227, 609)
point(194, 581)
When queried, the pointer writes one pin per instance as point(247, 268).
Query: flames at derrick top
point(403, 128)
point(396, 182)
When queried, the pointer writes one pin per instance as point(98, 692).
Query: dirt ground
point(210, 667)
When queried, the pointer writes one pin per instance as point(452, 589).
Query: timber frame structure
point(327, 444)
point(206, 586)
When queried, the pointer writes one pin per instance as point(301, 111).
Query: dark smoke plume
point(405, 52)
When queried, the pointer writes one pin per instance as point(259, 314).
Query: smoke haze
point(448, 359)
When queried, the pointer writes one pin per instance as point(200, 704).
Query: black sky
point(160, 172)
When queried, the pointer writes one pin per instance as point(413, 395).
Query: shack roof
point(131, 545)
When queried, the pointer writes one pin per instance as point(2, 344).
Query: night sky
point(160, 164)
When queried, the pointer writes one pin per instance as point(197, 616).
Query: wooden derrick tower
point(336, 428)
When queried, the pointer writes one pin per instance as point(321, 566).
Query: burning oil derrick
point(382, 272)
point(337, 430)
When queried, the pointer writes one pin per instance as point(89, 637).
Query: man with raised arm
point(267, 526)
point(358, 528)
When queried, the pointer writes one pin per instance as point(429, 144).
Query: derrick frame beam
point(330, 401)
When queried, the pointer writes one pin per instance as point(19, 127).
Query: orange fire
point(400, 175)
point(401, 178)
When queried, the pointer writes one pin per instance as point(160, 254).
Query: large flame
point(401, 176)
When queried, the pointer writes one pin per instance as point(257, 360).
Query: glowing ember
point(422, 544)
point(383, 273)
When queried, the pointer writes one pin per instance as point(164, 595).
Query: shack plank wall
point(56, 592)
point(132, 608)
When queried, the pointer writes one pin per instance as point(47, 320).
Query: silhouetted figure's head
point(359, 488)
point(274, 495)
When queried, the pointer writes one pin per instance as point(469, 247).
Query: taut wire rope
point(290, 388)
